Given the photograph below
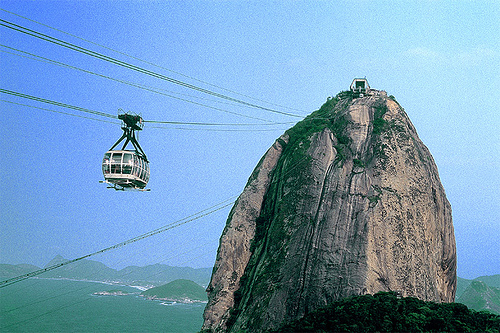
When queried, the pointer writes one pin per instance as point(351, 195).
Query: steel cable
point(149, 63)
point(115, 61)
point(172, 225)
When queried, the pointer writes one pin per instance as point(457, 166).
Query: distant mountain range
point(151, 275)
point(482, 293)
point(490, 280)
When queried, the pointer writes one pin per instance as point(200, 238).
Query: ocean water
point(39, 305)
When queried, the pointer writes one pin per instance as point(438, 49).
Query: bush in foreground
point(386, 312)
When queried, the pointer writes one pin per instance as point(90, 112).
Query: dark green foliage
point(386, 312)
point(374, 199)
point(338, 128)
point(290, 167)
point(313, 123)
point(232, 317)
point(261, 224)
point(346, 94)
point(379, 124)
point(340, 157)
point(328, 116)
point(358, 163)
point(331, 115)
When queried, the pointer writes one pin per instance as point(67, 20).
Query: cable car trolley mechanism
point(127, 169)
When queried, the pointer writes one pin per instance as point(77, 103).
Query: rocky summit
point(347, 202)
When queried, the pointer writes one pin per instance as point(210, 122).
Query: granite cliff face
point(347, 202)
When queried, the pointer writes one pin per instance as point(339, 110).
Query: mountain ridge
point(490, 280)
point(480, 296)
point(85, 269)
point(493, 281)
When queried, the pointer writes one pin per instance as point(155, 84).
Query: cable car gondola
point(127, 169)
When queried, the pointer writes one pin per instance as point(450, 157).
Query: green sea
point(42, 305)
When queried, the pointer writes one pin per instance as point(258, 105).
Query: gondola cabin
point(125, 168)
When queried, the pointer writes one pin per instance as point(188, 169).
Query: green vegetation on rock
point(386, 312)
point(328, 116)
point(291, 165)
point(294, 159)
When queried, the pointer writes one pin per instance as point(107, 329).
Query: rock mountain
point(347, 202)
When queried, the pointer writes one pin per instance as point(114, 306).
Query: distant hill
point(462, 284)
point(157, 274)
point(178, 290)
point(160, 274)
point(490, 280)
point(480, 296)
point(482, 293)
point(84, 270)
point(8, 271)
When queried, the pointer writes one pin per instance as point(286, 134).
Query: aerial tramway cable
point(103, 57)
point(172, 225)
point(129, 66)
point(103, 114)
point(61, 112)
point(140, 86)
point(150, 63)
point(115, 61)
point(204, 125)
point(69, 304)
point(64, 105)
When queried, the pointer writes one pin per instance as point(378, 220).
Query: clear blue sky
point(440, 59)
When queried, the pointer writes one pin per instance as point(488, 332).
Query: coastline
point(110, 283)
point(174, 300)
